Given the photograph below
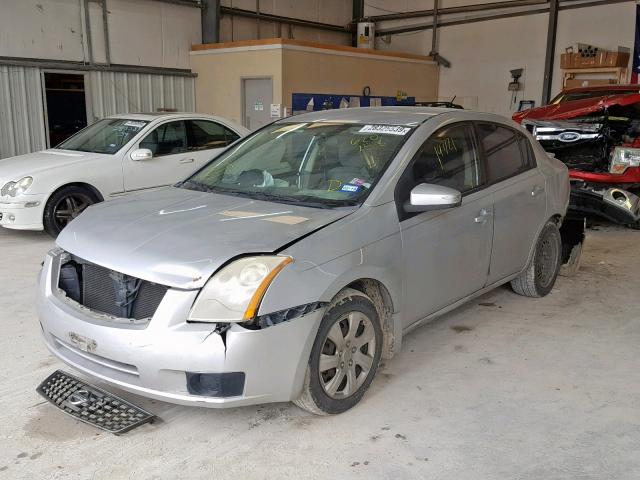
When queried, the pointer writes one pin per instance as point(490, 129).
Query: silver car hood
point(180, 237)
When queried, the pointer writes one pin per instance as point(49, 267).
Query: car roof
point(150, 116)
point(409, 116)
point(597, 88)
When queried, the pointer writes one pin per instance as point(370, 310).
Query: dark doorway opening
point(66, 105)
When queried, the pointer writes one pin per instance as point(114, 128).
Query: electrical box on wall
point(514, 84)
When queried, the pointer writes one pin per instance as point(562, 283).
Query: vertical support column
point(87, 29)
point(105, 25)
point(551, 50)
point(258, 19)
point(434, 31)
point(357, 15)
point(210, 21)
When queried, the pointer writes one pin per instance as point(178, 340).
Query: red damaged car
point(596, 133)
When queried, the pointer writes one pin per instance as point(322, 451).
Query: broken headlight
point(13, 189)
point(234, 293)
point(623, 158)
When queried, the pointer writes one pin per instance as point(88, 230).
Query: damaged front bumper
point(613, 204)
point(171, 360)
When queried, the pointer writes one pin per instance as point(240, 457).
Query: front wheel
point(65, 205)
point(345, 355)
point(541, 273)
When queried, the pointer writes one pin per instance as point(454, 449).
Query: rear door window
point(206, 135)
point(503, 151)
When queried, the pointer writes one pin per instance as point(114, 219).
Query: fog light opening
point(220, 385)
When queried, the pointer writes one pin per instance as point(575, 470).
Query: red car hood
point(576, 108)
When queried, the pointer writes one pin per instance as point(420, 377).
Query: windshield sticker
point(361, 182)
point(134, 124)
point(349, 187)
point(385, 129)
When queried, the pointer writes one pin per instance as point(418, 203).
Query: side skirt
point(455, 305)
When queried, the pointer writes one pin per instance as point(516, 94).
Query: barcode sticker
point(132, 123)
point(385, 129)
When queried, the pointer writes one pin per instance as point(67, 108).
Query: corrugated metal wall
point(117, 92)
point(22, 123)
point(22, 127)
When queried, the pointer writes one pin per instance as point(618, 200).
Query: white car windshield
point(323, 164)
point(105, 136)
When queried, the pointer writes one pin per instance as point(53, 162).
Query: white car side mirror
point(141, 154)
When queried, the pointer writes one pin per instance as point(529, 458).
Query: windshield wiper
point(305, 201)
point(198, 186)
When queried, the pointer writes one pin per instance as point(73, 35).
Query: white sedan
point(112, 157)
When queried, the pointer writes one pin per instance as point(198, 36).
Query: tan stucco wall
point(297, 67)
point(320, 72)
point(218, 85)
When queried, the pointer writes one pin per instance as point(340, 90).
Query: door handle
point(187, 160)
point(483, 216)
point(537, 190)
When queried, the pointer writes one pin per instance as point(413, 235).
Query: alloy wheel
point(69, 207)
point(347, 355)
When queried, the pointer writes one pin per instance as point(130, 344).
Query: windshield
point(105, 136)
point(323, 164)
point(571, 96)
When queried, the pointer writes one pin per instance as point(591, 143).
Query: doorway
point(257, 97)
point(65, 105)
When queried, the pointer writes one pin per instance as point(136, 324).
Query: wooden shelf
point(620, 74)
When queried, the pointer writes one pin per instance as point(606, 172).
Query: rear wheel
point(345, 355)
point(65, 205)
point(541, 273)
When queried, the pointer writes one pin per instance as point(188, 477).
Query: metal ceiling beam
point(71, 65)
point(552, 31)
point(184, 3)
point(450, 23)
point(460, 9)
point(239, 12)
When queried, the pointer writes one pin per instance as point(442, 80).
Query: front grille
point(91, 404)
point(107, 291)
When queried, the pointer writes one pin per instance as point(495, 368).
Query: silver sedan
point(288, 267)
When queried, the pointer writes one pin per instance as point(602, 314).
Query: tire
point(337, 389)
point(64, 205)
point(538, 278)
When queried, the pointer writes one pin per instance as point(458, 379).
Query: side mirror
point(141, 154)
point(426, 197)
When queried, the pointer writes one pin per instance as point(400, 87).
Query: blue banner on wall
point(299, 101)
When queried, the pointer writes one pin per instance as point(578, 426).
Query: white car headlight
point(235, 292)
point(13, 189)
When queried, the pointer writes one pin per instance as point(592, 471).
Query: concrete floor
point(504, 388)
